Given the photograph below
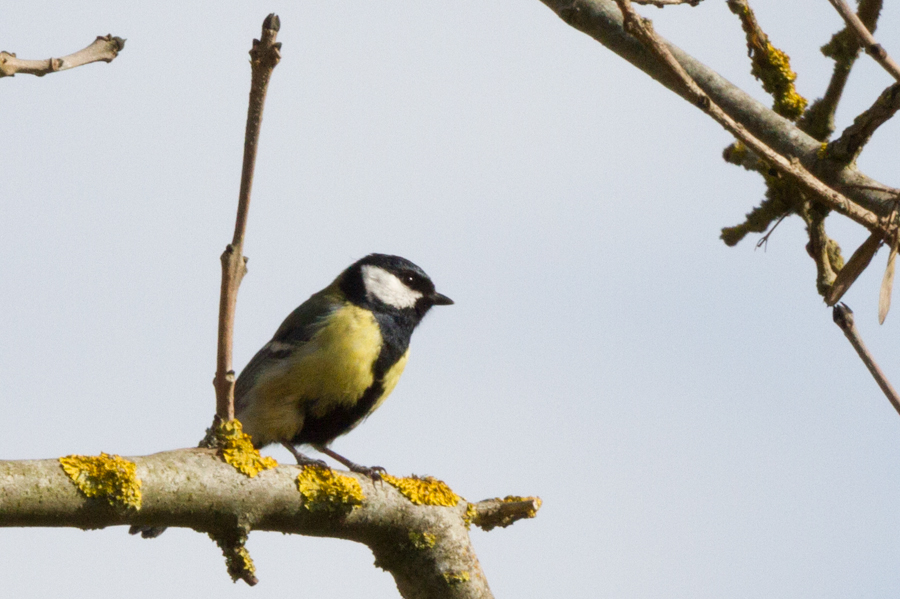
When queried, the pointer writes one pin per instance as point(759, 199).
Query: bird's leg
point(302, 459)
point(374, 472)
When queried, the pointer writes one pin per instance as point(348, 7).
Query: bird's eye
point(409, 279)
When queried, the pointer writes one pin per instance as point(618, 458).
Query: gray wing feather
point(298, 328)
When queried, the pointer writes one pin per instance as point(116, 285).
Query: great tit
point(336, 358)
point(333, 360)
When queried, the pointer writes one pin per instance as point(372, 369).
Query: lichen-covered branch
point(103, 49)
point(791, 168)
point(771, 66)
point(824, 250)
point(602, 20)
point(415, 532)
point(843, 47)
point(492, 513)
point(782, 198)
point(848, 146)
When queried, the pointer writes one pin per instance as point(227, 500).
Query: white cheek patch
point(388, 288)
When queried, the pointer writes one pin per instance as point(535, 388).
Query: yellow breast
point(335, 366)
point(330, 371)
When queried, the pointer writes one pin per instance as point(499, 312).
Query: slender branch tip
point(272, 22)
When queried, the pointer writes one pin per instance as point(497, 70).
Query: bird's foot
point(373, 472)
point(304, 460)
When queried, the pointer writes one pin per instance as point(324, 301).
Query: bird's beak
point(439, 299)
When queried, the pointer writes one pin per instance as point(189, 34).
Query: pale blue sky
point(694, 422)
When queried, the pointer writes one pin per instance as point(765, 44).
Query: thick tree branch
point(425, 547)
point(264, 56)
point(642, 30)
point(103, 49)
point(602, 20)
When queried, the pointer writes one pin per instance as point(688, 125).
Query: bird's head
point(390, 283)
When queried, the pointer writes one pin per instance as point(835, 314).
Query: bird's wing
point(298, 328)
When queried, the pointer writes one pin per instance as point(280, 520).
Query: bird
point(333, 361)
point(336, 358)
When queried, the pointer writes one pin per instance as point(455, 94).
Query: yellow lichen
point(236, 448)
point(239, 563)
point(422, 540)
point(770, 65)
point(107, 476)
point(453, 578)
point(470, 515)
point(424, 490)
point(778, 79)
point(822, 152)
point(515, 499)
point(735, 153)
point(322, 489)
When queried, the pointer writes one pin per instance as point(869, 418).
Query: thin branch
point(426, 548)
point(769, 65)
point(103, 49)
point(843, 47)
point(843, 317)
point(664, 3)
point(792, 168)
point(602, 20)
point(872, 48)
point(848, 146)
point(822, 249)
point(491, 513)
point(264, 56)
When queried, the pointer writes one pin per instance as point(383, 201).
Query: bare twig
point(764, 240)
point(103, 49)
point(843, 317)
point(664, 3)
point(264, 56)
point(791, 168)
point(848, 146)
point(872, 48)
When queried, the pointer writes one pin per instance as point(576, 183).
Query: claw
point(374, 472)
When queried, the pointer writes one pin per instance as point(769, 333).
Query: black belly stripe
point(396, 329)
point(323, 430)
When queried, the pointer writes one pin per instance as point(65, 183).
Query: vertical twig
point(843, 317)
point(264, 56)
